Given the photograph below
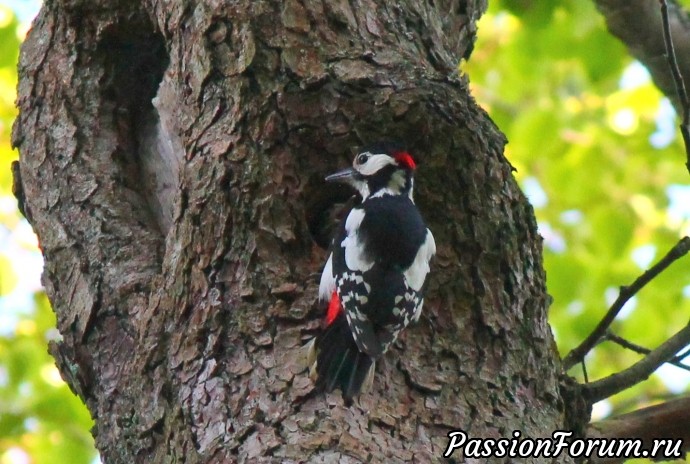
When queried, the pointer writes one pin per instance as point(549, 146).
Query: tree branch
point(662, 421)
point(578, 354)
point(639, 371)
point(675, 361)
point(677, 80)
point(637, 24)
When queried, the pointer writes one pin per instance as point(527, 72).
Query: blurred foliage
point(590, 139)
point(41, 420)
point(39, 414)
point(596, 149)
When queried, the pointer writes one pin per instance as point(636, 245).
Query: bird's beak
point(341, 176)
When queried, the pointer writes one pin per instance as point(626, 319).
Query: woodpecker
point(374, 277)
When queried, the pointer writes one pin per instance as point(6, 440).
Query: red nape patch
point(405, 159)
point(334, 308)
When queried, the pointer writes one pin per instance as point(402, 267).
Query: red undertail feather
point(334, 308)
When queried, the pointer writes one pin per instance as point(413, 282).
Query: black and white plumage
point(375, 274)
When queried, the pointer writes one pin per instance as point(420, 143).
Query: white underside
point(327, 284)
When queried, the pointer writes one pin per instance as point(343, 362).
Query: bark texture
point(172, 157)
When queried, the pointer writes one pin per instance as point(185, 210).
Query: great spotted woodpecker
point(374, 276)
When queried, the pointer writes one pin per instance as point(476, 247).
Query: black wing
point(373, 266)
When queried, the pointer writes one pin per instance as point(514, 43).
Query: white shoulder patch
point(327, 284)
point(416, 274)
point(354, 248)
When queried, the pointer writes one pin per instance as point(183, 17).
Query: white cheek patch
point(354, 248)
point(374, 164)
point(362, 187)
point(416, 274)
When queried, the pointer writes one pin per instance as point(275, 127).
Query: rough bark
point(176, 232)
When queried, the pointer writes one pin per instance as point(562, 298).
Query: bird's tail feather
point(336, 362)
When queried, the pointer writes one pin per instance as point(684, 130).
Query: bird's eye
point(363, 158)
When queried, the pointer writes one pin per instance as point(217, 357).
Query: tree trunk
point(180, 232)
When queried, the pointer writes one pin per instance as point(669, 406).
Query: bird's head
point(378, 170)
